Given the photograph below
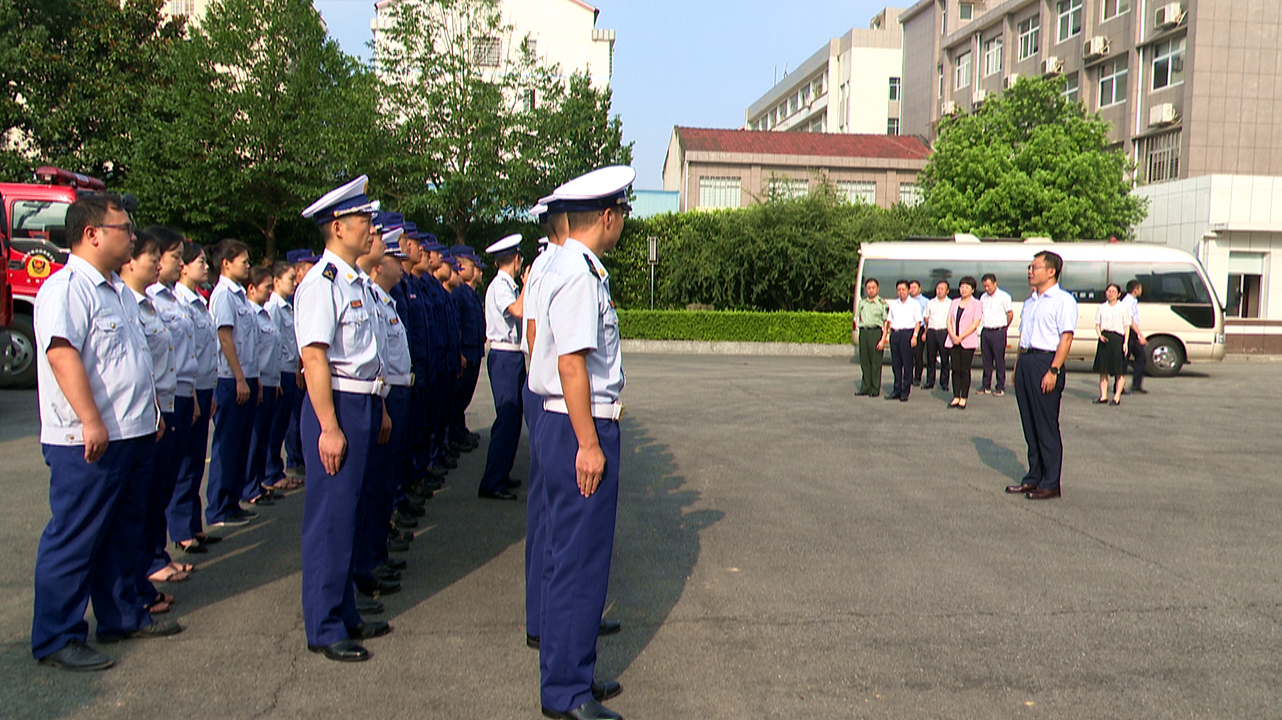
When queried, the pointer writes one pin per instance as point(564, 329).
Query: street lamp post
point(653, 259)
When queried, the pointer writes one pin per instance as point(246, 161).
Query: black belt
point(1035, 351)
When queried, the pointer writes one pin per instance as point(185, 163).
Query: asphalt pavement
point(784, 549)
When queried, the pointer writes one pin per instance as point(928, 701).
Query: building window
point(787, 188)
point(994, 56)
point(909, 194)
point(487, 51)
point(1112, 82)
point(819, 124)
point(1030, 32)
point(941, 82)
point(1072, 87)
point(1070, 18)
point(1168, 63)
point(531, 100)
point(1113, 8)
point(1162, 156)
point(894, 88)
point(819, 86)
point(182, 7)
point(858, 191)
point(943, 17)
point(966, 11)
point(719, 192)
point(962, 79)
point(1244, 288)
point(892, 126)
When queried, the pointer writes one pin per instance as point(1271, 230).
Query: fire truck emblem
point(38, 267)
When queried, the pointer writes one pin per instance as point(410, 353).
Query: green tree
point(1030, 163)
point(251, 119)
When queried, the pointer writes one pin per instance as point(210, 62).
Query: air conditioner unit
point(1168, 16)
point(1095, 47)
point(1052, 65)
point(1010, 81)
point(948, 108)
point(979, 98)
point(1163, 114)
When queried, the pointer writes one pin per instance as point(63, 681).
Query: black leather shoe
point(609, 627)
point(369, 630)
point(892, 397)
point(156, 629)
point(452, 454)
point(590, 710)
point(495, 495)
point(930, 386)
point(403, 521)
point(383, 572)
point(903, 399)
point(602, 691)
point(342, 651)
point(382, 587)
point(531, 641)
point(1021, 488)
point(411, 510)
point(77, 657)
point(396, 563)
point(476, 437)
point(436, 473)
point(397, 545)
point(366, 605)
point(512, 484)
point(1043, 494)
point(449, 462)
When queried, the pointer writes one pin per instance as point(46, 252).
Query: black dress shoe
point(77, 657)
point(383, 572)
point(1043, 494)
point(602, 691)
point(155, 629)
point(609, 627)
point(382, 587)
point(531, 641)
point(930, 386)
point(403, 521)
point(449, 462)
point(892, 397)
point(512, 484)
point(366, 605)
point(397, 545)
point(411, 510)
point(452, 454)
point(396, 563)
point(1021, 488)
point(903, 399)
point(495, 495)
point(1140, 390)
point(944, 388)
point(348, 650)
point(590, 710)
point(369, 630)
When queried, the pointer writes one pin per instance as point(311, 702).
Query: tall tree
point(1028, 163)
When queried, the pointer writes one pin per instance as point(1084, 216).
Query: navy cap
point(301, 255)
point(350, 199)
point(429, 242)
point(461, 250)
point(384, 220)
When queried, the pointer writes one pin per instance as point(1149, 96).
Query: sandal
point(204, 539)
point(158, 607)
point(169, 574)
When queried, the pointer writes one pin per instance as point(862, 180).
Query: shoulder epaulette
point(330, 272)
point(592, 268)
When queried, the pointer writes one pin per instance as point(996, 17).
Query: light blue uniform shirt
point(99, 318)
point(206, 337)
point(160, 343)
point(283, 315)
point(395, 343)
point(230, 308)
point(333, 307)
point(500, 326)
point(1045, 317)
point(267, 344)
point(532, 297)
point(1131, 304)
point(577, 313)
point(177, 316)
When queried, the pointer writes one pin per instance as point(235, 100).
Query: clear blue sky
point(697, 64)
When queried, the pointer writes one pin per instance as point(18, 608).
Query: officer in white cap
point(576, 367)
point(338, 341)
point(504, 309)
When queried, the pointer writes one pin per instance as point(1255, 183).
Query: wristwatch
point(1054, 370)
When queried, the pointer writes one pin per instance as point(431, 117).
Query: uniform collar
point(75, 262)
point(140, 297)
point(506, 274)
point(276, 301)
point(235, 287)
point(187, 293)
point(1050, 292)
point(348, 273)
point(572, 244)
point(160, 288)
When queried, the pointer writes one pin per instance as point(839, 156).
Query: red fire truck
point(32, 229)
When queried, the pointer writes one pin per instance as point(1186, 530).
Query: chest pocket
point(111, 337)
point(246, 325)
point(356, 329)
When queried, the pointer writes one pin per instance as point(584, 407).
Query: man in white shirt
point(919, 352)
point(904, 317)
point(1137, 343)
point(936, 336)
point(998, 314)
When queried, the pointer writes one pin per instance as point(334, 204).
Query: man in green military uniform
point(873, 329)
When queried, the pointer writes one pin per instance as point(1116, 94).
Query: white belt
point(510, 347)
point(600, 411)
point(361, 387)
point(399, 380)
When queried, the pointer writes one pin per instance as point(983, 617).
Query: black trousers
point(992, 345)
point(962, 359)
point(935, 350)
point(919, 355)
point(901, 361)
point(1039, 413)
point(1137, 354)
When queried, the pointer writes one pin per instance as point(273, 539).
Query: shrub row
point(735, 326)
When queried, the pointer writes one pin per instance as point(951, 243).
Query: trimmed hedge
point(735, 326)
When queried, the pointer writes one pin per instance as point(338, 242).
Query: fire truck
point(33, 232)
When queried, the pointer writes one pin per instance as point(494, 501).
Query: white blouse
point(1113, 318)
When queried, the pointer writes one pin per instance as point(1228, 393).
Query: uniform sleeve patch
point(330, 272)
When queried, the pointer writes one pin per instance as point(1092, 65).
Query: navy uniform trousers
point(464, 390)
point(169, 452)
point(259, 442)
point(580, 542)
point(89, 549)
point(418, 446)
point(293, 436)
point(507, 380)
point(232, 426)
point(381, 484)
point(279, 432)
point(901, 361)
point(1039, 413)
point(992, 346)
point(330, 514)
point(535, 536)
point(183, 514)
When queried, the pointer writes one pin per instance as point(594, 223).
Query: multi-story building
point(1190, 87)
point(560, 32)
point(194, 10)
point(850, 85)
point(714, 169)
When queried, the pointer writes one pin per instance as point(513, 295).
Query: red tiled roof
point(898, 147)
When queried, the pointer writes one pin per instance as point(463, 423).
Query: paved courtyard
point(784, 549)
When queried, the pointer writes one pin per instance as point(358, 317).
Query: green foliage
point(782, 327)
point(784, 254)
point(1030, 163)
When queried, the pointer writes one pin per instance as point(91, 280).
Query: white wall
point(870, 73)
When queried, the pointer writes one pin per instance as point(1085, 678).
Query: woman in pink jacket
point(964, 318)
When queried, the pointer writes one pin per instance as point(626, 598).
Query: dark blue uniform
point(472, 345)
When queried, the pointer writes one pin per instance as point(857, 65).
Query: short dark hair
point(988, 276)
point(914, 282)
point(258, 275)
point(873, 281)
point(968, 280)
point(944, 283)
point(191, 251)
point(278, 269)
point(1130, 286)
point(1114, 285)
point(1053, 261)
point(227, 250)
point(145, 242)
point(901, 282)
point(88, 211)
point(169, 238)
point(582, 220)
